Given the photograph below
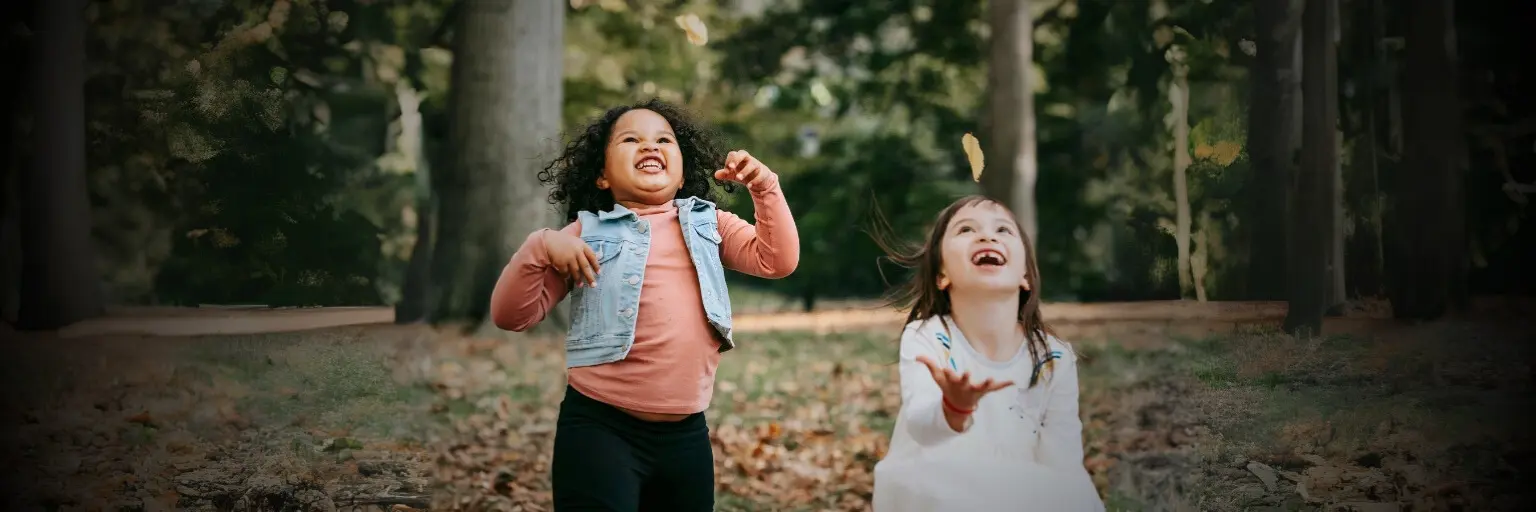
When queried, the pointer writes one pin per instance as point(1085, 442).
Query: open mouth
point(988, 257)
point(650, 164)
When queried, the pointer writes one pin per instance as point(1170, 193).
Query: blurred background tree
point(352, 152)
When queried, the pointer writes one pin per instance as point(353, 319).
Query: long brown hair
point(923, 299)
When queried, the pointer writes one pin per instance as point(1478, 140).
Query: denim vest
point(603, 324)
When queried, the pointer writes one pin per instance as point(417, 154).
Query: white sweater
point(1023, 447)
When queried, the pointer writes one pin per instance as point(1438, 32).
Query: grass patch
point(325, 380)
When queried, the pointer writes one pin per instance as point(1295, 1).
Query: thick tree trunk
point(12, 94)
point(60, 283)
point(1010, 145)
point(1315, 200)
point(1427, 221)
point(505, 112)
point(1270, 148)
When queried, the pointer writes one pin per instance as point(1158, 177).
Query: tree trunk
point(418, 273)
point(1201, 255)
point(1363, 192)
point(1270, 148)
point(412, 307)
point(1337, 296)
point(505, 111)
point(1429, 234)
point(1314, 201)
point(60, 283)
point(1178, 96)
point(12, 94)
point(1011, 167)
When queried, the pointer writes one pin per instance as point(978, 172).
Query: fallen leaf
point(1265, 473)
point(697, 33)
point(141, 418)
point(973, 155)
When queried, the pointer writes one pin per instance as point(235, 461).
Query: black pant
point(608, 460)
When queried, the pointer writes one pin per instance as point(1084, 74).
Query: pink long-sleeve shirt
point(671, 367)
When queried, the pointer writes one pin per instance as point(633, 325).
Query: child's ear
point(1024, 283)
point(602, 183)
point(943, 282)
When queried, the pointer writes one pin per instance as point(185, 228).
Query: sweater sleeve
point(1061, 437)
point(771, 248)
point(529, 287)
point(921, 399)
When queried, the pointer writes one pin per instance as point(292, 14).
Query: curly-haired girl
point(644, 258)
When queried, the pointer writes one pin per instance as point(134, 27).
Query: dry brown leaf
point(698, 34)
point(973, 155)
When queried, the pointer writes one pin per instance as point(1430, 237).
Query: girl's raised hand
point(958, 388)
point(571, 257)
point(743, 168)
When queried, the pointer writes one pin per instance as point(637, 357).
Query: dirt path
point(1122, 321)
point(251, 320)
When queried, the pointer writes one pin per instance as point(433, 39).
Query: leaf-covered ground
point(393, 418)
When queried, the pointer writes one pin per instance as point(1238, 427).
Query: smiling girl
point(989, 412)
point(643, 260)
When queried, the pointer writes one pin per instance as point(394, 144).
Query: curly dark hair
point(575, 172)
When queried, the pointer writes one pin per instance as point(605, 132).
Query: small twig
point(413, 501)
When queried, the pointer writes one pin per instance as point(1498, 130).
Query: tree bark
point(1429, 233)
point(1178, 96)
point(1010, 146)
point(60, 283)
point(413, 292)
point(1315, 202)
point(12, 95)
point(1337, 294)
point(1270, 148)
point(505, 110)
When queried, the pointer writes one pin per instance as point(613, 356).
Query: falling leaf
point(698, 34)
point(973, 154)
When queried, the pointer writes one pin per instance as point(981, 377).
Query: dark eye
point(964, 229)
point(631, 139)
point(1004, 229)
point(665, 140)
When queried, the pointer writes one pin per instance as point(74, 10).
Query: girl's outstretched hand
point(571, 257)
point(958, 388)
point(743, 168)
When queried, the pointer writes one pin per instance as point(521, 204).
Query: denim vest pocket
point(595, 305)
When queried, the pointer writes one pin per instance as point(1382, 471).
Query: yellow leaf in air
point(973, 154)
point(698, 34)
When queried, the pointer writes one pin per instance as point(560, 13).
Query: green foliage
point(291, 139)
point(258, 144)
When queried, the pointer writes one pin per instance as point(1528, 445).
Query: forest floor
point(1192, 412)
